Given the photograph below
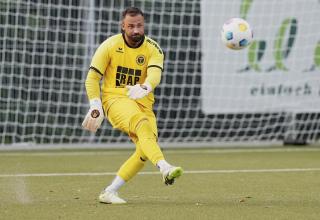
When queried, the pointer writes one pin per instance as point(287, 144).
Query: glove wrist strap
point(95, 102)
point(146, 86)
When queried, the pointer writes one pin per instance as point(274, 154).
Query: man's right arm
point(98, 66)
point(93, 84)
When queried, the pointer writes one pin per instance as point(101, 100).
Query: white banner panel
point(279, 72)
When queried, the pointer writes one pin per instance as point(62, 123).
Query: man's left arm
point(154, 71)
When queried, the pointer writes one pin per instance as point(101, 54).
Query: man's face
point(133, 27)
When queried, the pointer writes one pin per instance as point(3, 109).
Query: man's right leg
point(133, 165)
point(128, 170)
point(119, 115)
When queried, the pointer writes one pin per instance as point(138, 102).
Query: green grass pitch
point(258, 183)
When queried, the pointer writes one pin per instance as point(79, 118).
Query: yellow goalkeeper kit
point(121, 65)
point(118, 65)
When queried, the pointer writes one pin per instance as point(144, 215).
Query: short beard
point(136, 38)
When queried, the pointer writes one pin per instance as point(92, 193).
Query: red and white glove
point(94, 117)
point(138, 91)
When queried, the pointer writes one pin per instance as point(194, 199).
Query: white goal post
point(268, 93)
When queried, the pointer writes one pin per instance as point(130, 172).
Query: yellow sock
point(133, 165)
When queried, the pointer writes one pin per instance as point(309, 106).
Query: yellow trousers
point(140, 124)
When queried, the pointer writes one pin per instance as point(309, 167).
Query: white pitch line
point(166, 151)
point(284, 170)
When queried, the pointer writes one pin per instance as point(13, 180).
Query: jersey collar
point(131, 46)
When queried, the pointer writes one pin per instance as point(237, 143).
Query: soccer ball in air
point(236, 34)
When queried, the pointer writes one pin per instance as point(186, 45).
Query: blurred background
point(46, 49)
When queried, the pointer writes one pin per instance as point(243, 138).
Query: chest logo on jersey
point(140, 60)
point(127, 76)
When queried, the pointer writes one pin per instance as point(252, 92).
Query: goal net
point(209, 95)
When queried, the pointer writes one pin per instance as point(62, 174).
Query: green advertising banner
point(279, 71)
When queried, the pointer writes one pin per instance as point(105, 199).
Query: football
point(236, 34)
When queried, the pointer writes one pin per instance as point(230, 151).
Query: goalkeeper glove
point(94, 117)
point(138, 91)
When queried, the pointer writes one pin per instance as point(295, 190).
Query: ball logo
point(242, 27)
point(140, 60)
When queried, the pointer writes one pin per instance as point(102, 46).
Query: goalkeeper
point(130, 66)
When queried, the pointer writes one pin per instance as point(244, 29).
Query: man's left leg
point(143, 127)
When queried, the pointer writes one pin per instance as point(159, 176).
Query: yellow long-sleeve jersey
point(117, 65)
